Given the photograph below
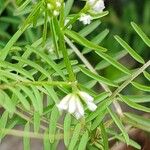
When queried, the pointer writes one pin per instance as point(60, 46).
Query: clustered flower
point(96, 6)
point(73, 103)
point(54, 6)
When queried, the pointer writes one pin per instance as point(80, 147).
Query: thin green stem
point(36, 83)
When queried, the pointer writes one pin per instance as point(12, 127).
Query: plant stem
point(133, 76)
point(36, 83)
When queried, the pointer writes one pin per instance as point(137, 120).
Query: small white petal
point(91, 2)
point(55, 13)
point(72, 104)
point(78, 115)
point(99, 6)
point(63, 105)
point(58, 4)
point(86, 19)
point(79, 109)
point(86, 97)
point(49, 6)
point(91, 106)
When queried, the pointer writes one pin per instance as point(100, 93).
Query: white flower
point(73, 103)
point(55, 13)
point(86, 19)
point(58, 4)
point(88, 100)
point(97, 5)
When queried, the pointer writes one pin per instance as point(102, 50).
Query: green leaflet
point(39, 99)
point(134, 105)
point(119, 124)
point(21, 97)
point(97, 40)
point(104, 137)
point(46, 143)
point(98, 119)
point(75, 137)
point(4, 52)
point(36, 119)
point(3, 122)
point(16, 68)
point(12, 76)
point(113, 62)
point(32, 15)
point(101, 107)
point(26, 139)
point(139, 119)
point(136, 56)
point(147, 75)
point(98, 77)
point(141, 34)
point(32, 64)
point(6, 102)
point(68, 6)
point(120, 138)
point(89, 28)
point(54, 37)
point(139, 98)
point(52, 124)
point(101, 97)
point(67, 131)
point(141, 87)
point(52, 93)
point(23, 6)
point(83, 141)
point(62, 46)
point(103, 64)
point(83, 41)
point(48, 60)
point(32, 97)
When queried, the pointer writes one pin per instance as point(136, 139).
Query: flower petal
point(86, 97)
point(78, 115)
point(63, 105)
point(91, 106)
point(86, 19)
point(72, 104)
point(79, 109)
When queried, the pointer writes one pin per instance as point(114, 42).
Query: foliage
point(46, 60)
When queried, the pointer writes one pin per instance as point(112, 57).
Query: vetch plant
point(47, 83)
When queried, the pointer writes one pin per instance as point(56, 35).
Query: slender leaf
point(67, 133)
point(134, 105)
point(141, 33)
point(97, 77)
point(26, 139)
point(52, 125)
point(81, 40)
point(136, 56)
point(83, 141)
point(36, 119)
point(75, 137)
point(113, 62)
point(141, 87)
point(119, 124)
